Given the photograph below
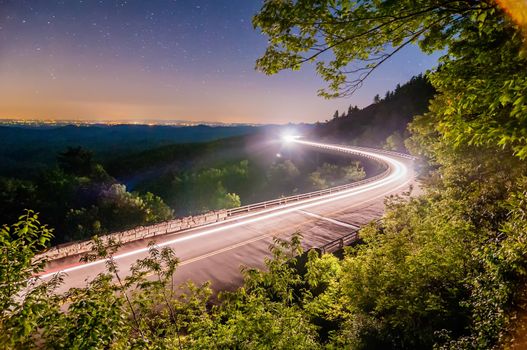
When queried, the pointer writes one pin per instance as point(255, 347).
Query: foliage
point(24, 151)
point(206, 189)
point(15, 196)
point(77, 161)
point(329, 175)
point(80, 199)
point(142, 310)
point(265, 313)
point(394, 142)
point(359, 35)
point(145, 309)
point(227, 181)
point(444, 270)
point(482, 93)
point(25, 302)
point(426, 276)
point(283, 175)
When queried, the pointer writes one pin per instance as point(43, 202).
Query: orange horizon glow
point(28, 91)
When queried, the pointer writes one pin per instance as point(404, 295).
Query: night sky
point(159, 60)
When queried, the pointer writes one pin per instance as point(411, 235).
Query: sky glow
point(159, 60)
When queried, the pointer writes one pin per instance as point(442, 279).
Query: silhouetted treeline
point(383, 123)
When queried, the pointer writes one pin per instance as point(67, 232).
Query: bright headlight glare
point(290, 138)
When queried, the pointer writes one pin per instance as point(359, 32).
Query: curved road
point(215, 252)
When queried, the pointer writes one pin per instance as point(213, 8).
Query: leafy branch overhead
point(348, 40)
point(480, 82)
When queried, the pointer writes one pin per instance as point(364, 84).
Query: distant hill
point(372, 125)
point(24, 150)
point(135, 167)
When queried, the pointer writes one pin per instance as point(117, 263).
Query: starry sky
point(138, 60)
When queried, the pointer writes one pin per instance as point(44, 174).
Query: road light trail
point(397, 178)
point(333, 221)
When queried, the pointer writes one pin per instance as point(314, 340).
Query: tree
point(267, 312)
point(76, 161)
point(305, 31)
point(111, 311)
point(196, 191)
point(82, 223)
point(371, 125)
point(281, 177)
point(24, 302)
point(394, 142)
point(316, 181)
point(376, 99)
point(229, 200)
point(350, 111)
point(353, 172)
point(336, 115)
point(329, 175)
point(157, 210)
point(121, 209)
point(15, 196)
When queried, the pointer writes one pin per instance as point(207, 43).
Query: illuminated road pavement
point(215, 252)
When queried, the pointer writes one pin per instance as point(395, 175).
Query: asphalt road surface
point(216, 252)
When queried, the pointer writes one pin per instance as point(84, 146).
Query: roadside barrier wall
point(138, 233)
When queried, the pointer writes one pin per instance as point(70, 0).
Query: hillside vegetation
point(384, 122)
